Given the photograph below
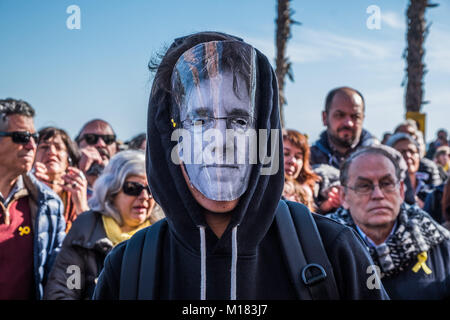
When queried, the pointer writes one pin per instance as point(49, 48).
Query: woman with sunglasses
point(55, 165)
point(121, 205)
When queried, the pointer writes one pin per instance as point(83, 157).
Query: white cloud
point(313, 46)
point(393, 20)
point(437, 46)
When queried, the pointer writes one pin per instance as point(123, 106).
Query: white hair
point(110, 182)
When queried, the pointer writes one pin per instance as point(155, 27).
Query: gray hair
point(110, 182)
point(392, 141)
point(393, 155)
point(407, 122)
point(418, 135)
point(10, 106)
point(441, 150)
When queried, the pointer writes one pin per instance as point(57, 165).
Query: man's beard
point(344, 143)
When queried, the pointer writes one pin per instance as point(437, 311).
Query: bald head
point(352, 96)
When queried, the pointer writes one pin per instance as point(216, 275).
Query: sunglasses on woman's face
point(92, 138)
point(132, 188)
point(21, 137)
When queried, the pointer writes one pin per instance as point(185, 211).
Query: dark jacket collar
point(323, 143)
point(88, 232)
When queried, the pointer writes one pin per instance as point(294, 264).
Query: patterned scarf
point(416, 232)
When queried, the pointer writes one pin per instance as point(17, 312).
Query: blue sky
point(100, 71)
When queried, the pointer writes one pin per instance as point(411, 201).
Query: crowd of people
point(92, 218)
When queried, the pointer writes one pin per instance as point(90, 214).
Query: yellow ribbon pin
point(421, 259)
point(24, 230)
point(173, 123)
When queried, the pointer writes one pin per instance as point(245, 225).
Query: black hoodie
point(261, 272)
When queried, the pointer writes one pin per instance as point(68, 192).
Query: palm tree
point(283, 34)
point(415, 70)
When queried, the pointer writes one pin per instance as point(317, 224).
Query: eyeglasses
point(92, 138)
point(132, 188)
point(366, 188)
point(233, 122)
point(21, 137)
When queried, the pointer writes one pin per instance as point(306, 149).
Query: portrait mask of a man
point(213, 92)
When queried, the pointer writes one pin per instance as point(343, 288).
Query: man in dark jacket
point(221, 239)
point(343, 116)
point(31, 215)
point(410, 249)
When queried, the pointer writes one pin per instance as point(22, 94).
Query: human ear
point(402, 189)
point(324, 118)
point(342, 197)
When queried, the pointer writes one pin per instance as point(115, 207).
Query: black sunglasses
point(92, 138)
point(132, 188)
point(21, 137)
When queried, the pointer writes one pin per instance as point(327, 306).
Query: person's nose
point(377, 192)
point(349, 122)
point(31, 145)
point(144, 195)
point(52, 150)
point(221, 126)
point(289, 160)
point(408, 155)
point(100, 143)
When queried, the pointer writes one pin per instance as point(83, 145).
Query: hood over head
point(256, 208)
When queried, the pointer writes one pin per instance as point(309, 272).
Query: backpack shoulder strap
point(310, 266)
point(292, 249)
point(139, 264)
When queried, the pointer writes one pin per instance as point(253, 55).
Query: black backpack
point(307, 261)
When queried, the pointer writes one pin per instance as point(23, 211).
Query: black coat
point(416, 232)
point(86, 247)
point(260, 275)
point(409, 285)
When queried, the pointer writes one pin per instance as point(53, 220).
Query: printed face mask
point(213, 86)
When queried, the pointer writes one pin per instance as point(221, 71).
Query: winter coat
point(433, 204)
point(321, 151)
point(329, 177)
point(429, 172)
point(80, 261)
point(258, 270)
point(47, 216)
point(428, 179)
point(416, 236)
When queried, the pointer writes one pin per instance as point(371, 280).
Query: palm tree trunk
point(414, 53)
point(283, 33)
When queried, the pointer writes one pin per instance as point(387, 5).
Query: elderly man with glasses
point(411, 250)
point(97, 143)
point(31, 215)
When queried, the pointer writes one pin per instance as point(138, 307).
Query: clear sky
point(100, 70)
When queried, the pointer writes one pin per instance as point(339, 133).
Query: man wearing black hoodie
point(222, 236)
